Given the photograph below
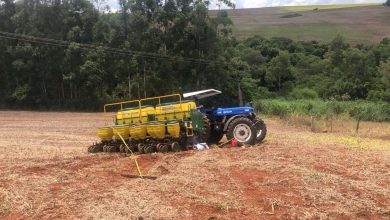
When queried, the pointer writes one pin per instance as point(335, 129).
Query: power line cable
point(83, 46)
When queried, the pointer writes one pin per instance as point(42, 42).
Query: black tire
point(247, 133)
point(132, 148)
point(163, 148)
point(261, 130)
point(141, 148)
point(115, 149)
point(96, 148)
point(175, 146)
point(112, 149)
point(150, 149)
point(206, 134)
point(215, 137)
point(183, 142)
point(122, 148)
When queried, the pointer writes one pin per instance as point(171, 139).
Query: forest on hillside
point(84, 56)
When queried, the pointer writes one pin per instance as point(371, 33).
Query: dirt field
point(367, 24)
point(45, 173)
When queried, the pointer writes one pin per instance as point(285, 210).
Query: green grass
point(324, 32)
point(323, 7)
point(368, 111)
point(356, 27)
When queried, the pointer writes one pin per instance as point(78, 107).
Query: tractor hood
point(234, 111)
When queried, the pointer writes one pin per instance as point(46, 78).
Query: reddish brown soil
point(45, 173)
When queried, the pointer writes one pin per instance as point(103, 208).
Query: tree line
point(170, 46)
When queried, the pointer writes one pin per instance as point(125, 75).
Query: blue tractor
point(238, 123)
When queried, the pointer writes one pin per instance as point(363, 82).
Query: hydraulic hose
point(131, 152)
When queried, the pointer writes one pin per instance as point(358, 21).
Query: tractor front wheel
point(261, 130)
point(242, 129)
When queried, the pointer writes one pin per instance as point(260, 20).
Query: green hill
point(360, 23)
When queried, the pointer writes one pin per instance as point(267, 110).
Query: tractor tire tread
point(261, 125)
point(241, 120)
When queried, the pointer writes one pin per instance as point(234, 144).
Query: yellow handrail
point(121, 104)
point(160, 97)
point(140, 103)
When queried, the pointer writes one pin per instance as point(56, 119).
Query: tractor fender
point(225, 127)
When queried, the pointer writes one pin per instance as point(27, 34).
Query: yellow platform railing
point(140, 102)
point(121, 104)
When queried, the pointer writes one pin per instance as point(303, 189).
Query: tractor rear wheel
point(215, 137)
point(207, 129)
point(183, 142)
point(242, 129)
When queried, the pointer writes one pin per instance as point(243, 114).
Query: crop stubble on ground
point(46, 173)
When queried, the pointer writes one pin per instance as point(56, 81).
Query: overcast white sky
point(274, 3)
